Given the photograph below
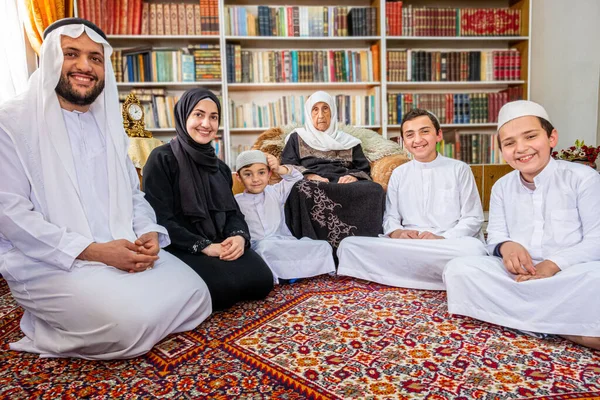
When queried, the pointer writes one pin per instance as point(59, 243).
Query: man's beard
point(65, 90)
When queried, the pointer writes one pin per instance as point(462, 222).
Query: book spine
point(153, 27)
point(189, 20)
point(197, 20)
point(145, 18)
point(181, 19)
point(160, 21)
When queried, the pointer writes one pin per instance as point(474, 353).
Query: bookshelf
point(376, 38)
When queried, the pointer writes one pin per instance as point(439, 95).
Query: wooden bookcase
point(263, 92)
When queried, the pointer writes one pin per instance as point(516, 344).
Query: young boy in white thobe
point(262, 205)
point(433, 214)
point(544, 233)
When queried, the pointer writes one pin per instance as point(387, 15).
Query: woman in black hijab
point(189, 188)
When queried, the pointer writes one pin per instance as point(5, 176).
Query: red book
point(98, 19)
point(397, 13)
point(123, 17)
point(393, 19)
point(388, 25)
point(290, 21)
point(132, 17)
point(215, 16)
point(517, 75)
point(90, 10)
point(332, 75)
point(109, 14)
point(137, 30)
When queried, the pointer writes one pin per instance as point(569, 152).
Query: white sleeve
point(25, 228)
point(497, 229)
point(392, 219)
point(588, 205)
point(288, 181)
point(144, 217)
point(471, 211)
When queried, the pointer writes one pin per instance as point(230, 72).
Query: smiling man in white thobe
point(433, 214)
point(79, 245)
point(544, 234)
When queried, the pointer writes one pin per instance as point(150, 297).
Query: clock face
point(135, 112)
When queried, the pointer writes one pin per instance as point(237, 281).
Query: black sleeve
point(159, 178)
point(361, 168)
point(290, 154)
point(235, 223)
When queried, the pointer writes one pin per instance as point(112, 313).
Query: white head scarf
point(332, 138)
point(34, 122)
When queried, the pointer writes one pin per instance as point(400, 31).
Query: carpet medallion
point(321, 338)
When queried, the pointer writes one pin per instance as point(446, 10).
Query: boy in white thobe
point(433, 214)
point(79, 245)
point(544, 233)
point(262, 205)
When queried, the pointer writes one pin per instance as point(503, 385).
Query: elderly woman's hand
point(347, 179)
point(315, 177)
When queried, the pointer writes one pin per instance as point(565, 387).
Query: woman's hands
point(315, 177)
point(318, 178)
point(347, 179)
point(229, 249)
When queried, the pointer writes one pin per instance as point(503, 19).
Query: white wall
point(565, 66)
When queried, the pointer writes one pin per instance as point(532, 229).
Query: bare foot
point(587, 341)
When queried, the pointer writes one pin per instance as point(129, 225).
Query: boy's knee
point(459, 266)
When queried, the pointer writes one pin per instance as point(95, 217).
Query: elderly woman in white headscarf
point(337, 197)
point(321, 151)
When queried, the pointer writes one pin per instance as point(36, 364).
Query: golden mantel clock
point(133, 117)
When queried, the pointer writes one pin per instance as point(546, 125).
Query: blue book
point(294, 66)
point(130, 69)
point(188, 70)
point(466, 109)
point(244, 27)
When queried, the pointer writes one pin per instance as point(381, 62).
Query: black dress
point(247, 278)
point(332, 211)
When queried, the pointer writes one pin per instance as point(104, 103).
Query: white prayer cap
point(250, 157)
point(520, 108)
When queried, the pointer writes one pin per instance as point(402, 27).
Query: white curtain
point(13, 58)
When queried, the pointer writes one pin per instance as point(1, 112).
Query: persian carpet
point(327, 338)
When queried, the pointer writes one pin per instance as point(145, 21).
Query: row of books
point(453, 66)
point(298, 21)
point(196, 63)
point(352, 110)
point(137, 17)
point(245, 66)
point(180, 18)
point(158, 105)
point(427, 21)
point(452, 108)
point(473, 148)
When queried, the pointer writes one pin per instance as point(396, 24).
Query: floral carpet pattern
point(325, 338)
